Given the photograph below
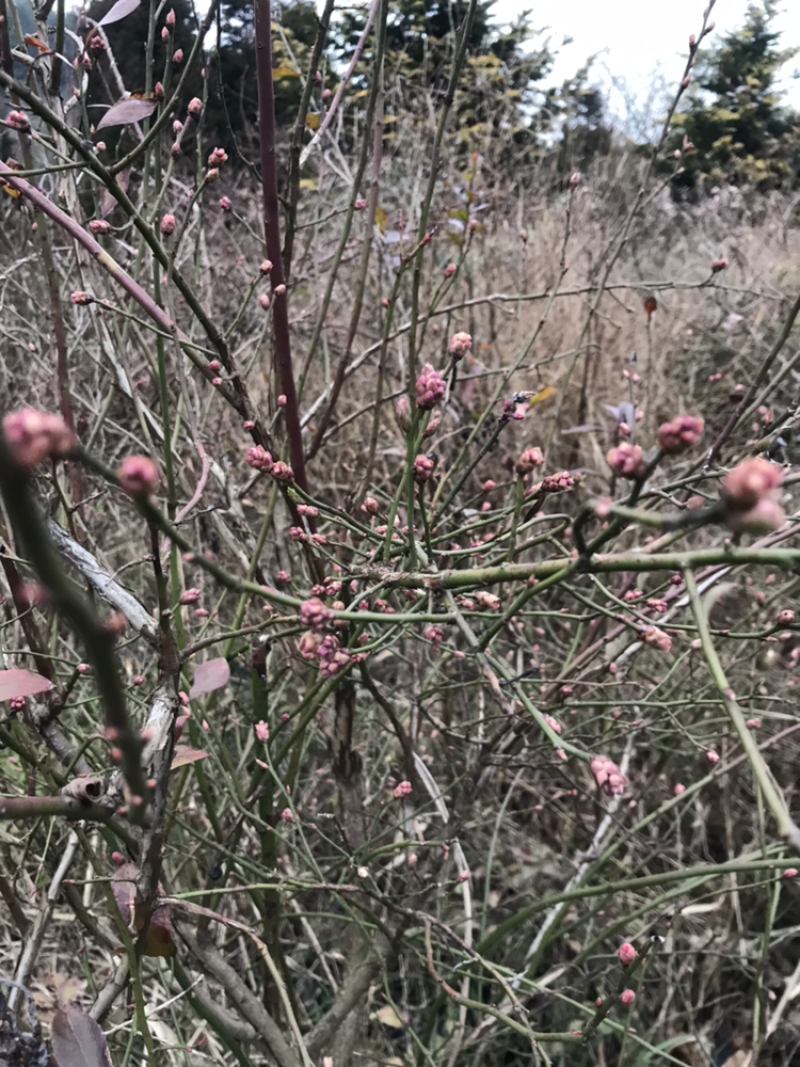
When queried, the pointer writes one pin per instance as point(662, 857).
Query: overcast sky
point(642, 42)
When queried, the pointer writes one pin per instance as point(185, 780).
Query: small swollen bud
point(158, 91)
point(99, 226)
point(460, 344)
point(682, 433)
point(81, 298)
point(627, 461)
point(575, 179)
point(430, 388)
point(217, 157)
point(529, 460)
point(450, 270)
point(657, 639)
point(423, 469)
point(33, 435)
point(626, 953)
point(718, 264)
point(167, 224)
point(170, 18)
point(225, 203)
point(608, 776)
point(627, 996)
point(138, 476)
point(195, 106)
point(177, 57)
point(18, 120)
point(164, 34)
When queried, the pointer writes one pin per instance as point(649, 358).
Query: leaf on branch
point(158, 941)
point(36, 42)
point(107, 200)
point(284, 71)
point(543, 394)
point(118, 11)
point(313, 120)
point(77, 1039)
point(126, 111)
point(381, 218)
point(185, 754)
point(19, 683)
point(211, 675)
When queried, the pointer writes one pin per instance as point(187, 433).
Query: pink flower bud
point(175, 149)
point(167, 224)
point(403, 789)
point(195, 106)
point(264, 301)
point(158, 91)
point(529, 460)
point(718, 264)
point(18, 120)
point(678, 788)
point(627, 461)
point(164, 34)
point(627, 996)
point(33, 435)
point(281, 400)
point(753, 724)
point(370, 506)
point(626, 953)
point(262, 731)
point(575, 179)
point(225, 203)
point(287, 815)
point(315, 614)
point(189, 596)
point(785, 617)
point(790, 872)
point(608, 776)
point(430, 388)
point(360, 204)
point(657, 639)
point(98, 226)
point(279, 290)
point(450, 270)
point(177, 57)
point(266, 266)
point(682, 433)
point(460, 344)
point(750, 495)
point(170, 18)
point(423, 469)
point(81, 298)
point(138, 476)
point(259, 459)
point(282, 472)
point(712, 756)
point(177, 126)
point(217, 157)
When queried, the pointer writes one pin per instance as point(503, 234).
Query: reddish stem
point(272, 233)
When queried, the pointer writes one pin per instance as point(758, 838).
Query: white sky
point(642, 42)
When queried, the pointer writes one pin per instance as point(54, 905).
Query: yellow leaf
point(284, 71)
point(313, 120)
point(387, 1016)
point(381, 218)
point(9, 189)
point(308, 183)
point(543, 394)
point(361, 94)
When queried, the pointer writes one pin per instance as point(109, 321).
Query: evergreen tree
point(733, 127)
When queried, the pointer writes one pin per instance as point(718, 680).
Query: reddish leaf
point(107, 200)
point(126, 111)
point(158, 940)
point(211, 675)
point(118, 11)
point(19, 683)
point(185, 754)
point(77, 1040)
